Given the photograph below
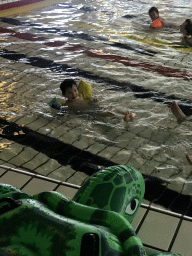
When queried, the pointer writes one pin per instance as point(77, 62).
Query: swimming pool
point(109, 44)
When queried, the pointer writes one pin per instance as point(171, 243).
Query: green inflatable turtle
point(97, 222)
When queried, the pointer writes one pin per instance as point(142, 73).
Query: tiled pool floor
point(158, 229)
point(138, 146)
point(34, 172)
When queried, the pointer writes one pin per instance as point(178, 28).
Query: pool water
point(110, 45)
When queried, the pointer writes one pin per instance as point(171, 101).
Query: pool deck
point(12, 7)
point(34, 172)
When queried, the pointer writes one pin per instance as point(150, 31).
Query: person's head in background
point(157, 21)
point(153, 13)
point(186, 28)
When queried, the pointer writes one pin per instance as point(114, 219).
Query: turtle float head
point(117, 188)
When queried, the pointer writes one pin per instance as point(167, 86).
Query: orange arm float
point(156, 23)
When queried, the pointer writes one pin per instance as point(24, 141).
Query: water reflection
point(118, 29)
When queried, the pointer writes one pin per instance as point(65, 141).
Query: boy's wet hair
point(153, 9)
point(67, 83)
point(188, 27)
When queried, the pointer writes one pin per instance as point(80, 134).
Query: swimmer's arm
point(167, 24)
point(170, 25)
point(162, 20)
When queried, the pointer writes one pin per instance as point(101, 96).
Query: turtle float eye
point(132, 206)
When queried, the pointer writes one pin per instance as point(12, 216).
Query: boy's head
point(186, 27)
point(69, 89)
point(153, 13)
point(189, 27)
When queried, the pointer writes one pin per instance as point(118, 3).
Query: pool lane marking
point(77, 35)
point(24, 6)
point(157, 42)
point(145, 39)
point(137, 90)
point(17, 3)
point(96, 53)
point(165, 71)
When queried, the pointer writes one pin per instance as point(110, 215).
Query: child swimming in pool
point(157, 21)
point(76, 103)
point(178, 113)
